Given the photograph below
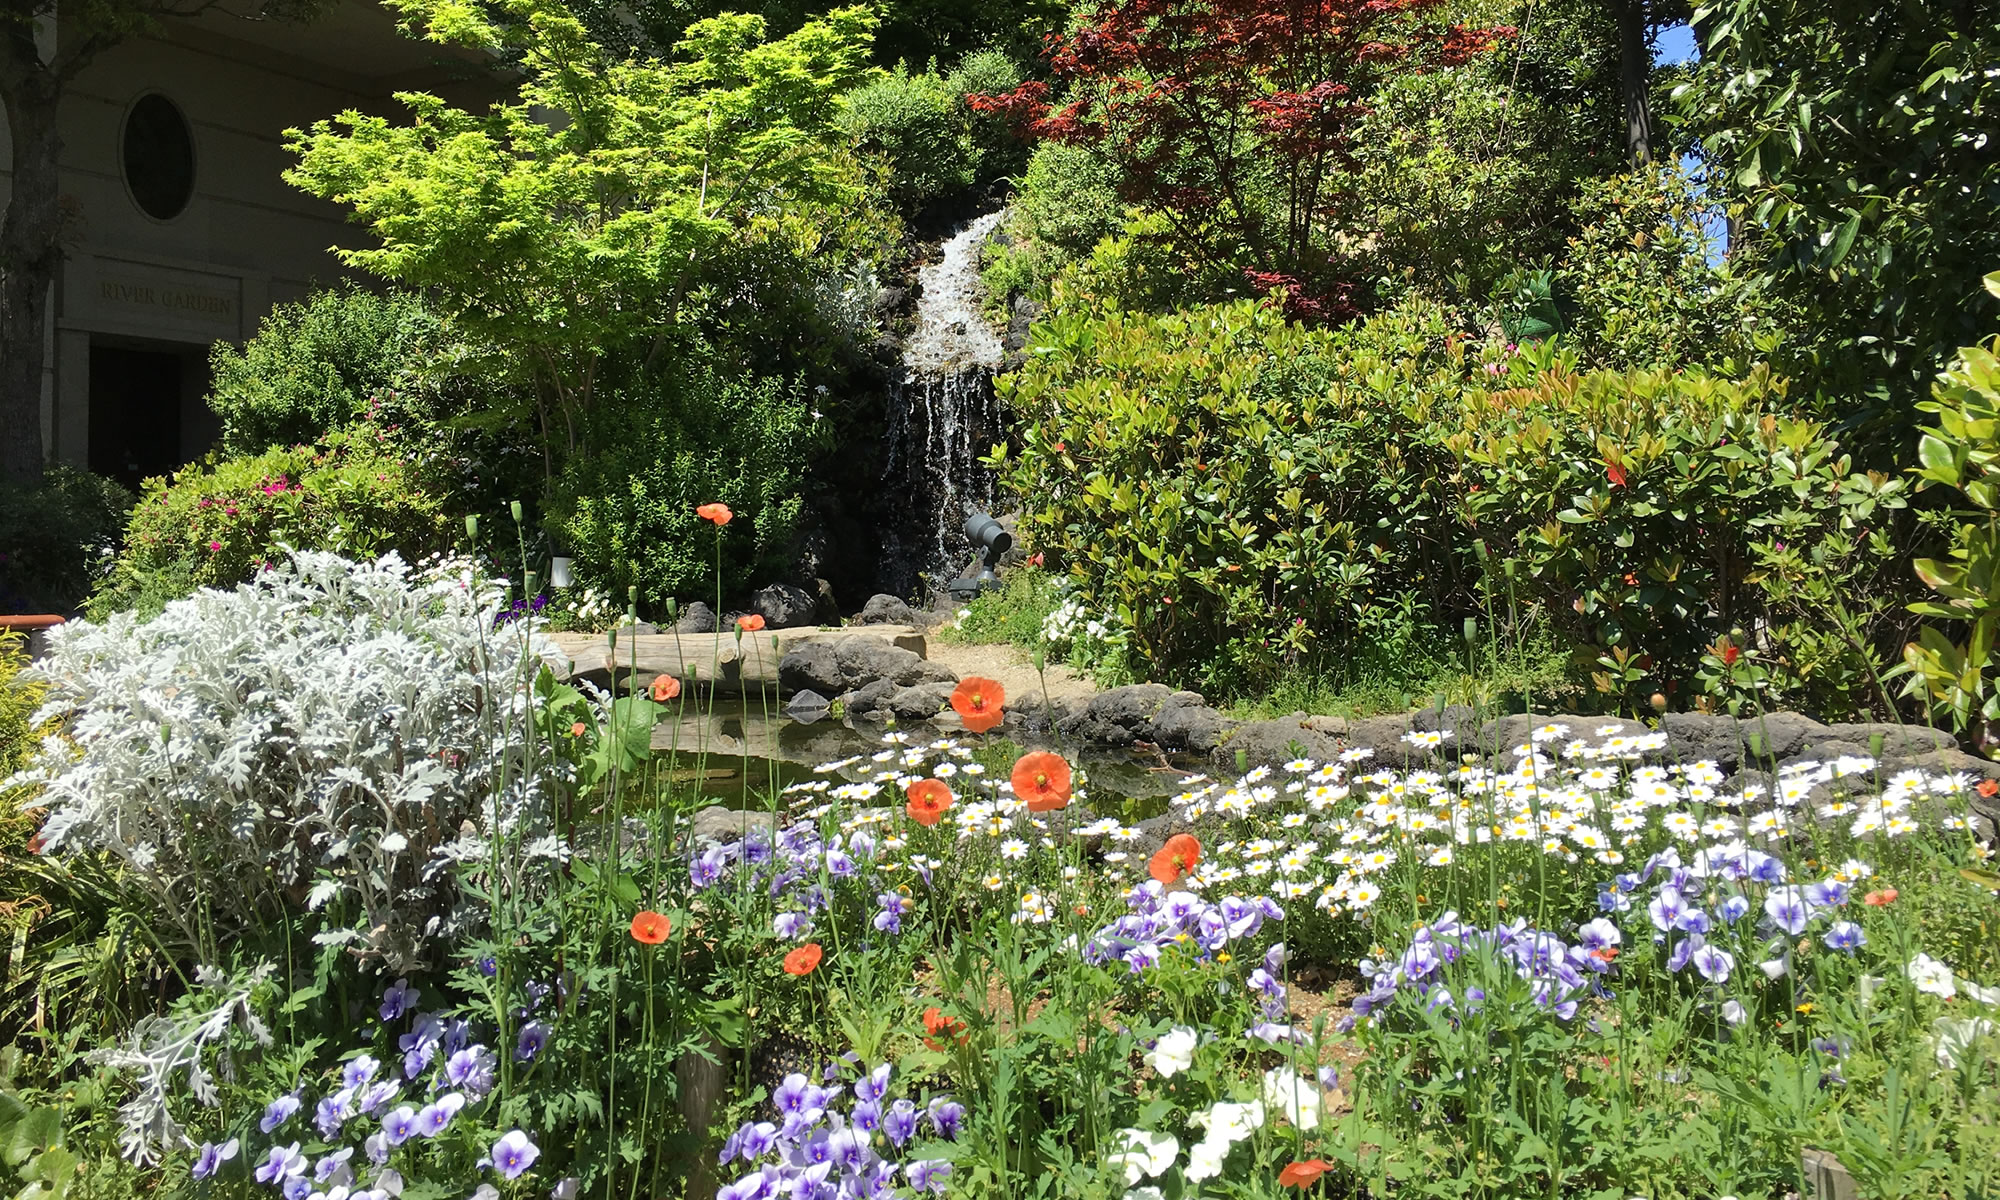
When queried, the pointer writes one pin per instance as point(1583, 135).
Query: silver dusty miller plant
point(334, 732)
point(160, 1047)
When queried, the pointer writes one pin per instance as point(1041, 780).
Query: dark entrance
point(135, 413)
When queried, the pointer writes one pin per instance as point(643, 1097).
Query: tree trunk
point(1635, 69)
point(30, 253)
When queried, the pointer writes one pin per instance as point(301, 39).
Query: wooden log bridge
point(719, 661)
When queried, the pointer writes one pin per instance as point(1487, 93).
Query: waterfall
point(943, 416)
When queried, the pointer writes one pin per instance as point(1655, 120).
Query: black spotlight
point(992, 541)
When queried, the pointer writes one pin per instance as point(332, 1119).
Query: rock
point(1331, 726)
point(1898, 741)
point(1383, 735)
point(807, 706)
point(884, 609)
point(784, 605)
point(1781, 735)
point(869, 698)
point(921, 702)
point(1185, 722)
point(1120, 716)
point(930, 672)
point(1270, 743)
point(696, 617)
point(811, 667)
point(863, 660)
point(1695, 737)
point(826, 609)
point(1453, 718)
point(718, 824)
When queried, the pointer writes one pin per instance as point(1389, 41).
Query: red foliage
point(1234, 118)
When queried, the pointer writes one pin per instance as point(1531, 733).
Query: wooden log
point(721, 661)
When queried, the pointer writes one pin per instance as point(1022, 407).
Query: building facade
point(181, 230)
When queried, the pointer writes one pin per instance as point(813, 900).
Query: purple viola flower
point(1827, 893)
point(947, 1117)
point(212, 1156)
point(866, 1115)
point(400, 1125)
point(791, 925)
point(707, 868)
point(534, 1036)
point(1788, 909)
point(1714, 963)
point(1766, 868)
point(488, 966)
point(278, 1112)
point(283, 1162)
point(513, 1154)
point(861, 844)
point(436, 1116)
point(928, 1174)
point(1734, 908)
point(471, 1070)
point(376, 1147)
point(332, 1112)
point(1275, 1032)
point(848, 1148)
point(296, 1188)
point(793, 1094)
point(420, 1045)
point(1845, 935)
point(890, 918)
point(874, 1085)
point(1683, 952)
point(358, 1072)
point(754, 1140)
point(376, 1098)
point(839, 865)
point(1666, 907)
point(398, 998)
point(1329, 1078)
point(1598, 934)
point(334, 1169)
point(900, 1123)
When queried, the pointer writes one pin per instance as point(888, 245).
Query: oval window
point(158, 157)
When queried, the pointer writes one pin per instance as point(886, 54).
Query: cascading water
point(943, 416)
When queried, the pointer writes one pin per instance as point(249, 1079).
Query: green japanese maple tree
point(567, 224)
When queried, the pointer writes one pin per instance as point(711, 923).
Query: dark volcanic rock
point(811, 666)
point(1269, 743)
point(784, 606)
point(1184, 722)
point(864, 660)
point(1120, 716)
point(921, 702)
point(884, 609)
point(696, 617)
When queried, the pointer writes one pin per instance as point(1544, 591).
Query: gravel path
point(1010, 667)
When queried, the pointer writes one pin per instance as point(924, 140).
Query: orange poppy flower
point(804, 960)
point(651, 928)
point(1303, 1175)
point(1988, 788)
point(1176, 858)
point(665, 688)
point(929, 798)
point(578, 729)
point(718, 513)
point(1042, 779)
point(750, 622)
point(977, 701)
point(1880, 899)
point(938, 1025)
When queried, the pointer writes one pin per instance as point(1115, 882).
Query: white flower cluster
point(333, 724)
point(1072, 623)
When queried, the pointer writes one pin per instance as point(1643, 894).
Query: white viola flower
point(1955, 1035)
point(1228, 1122)
point(1931, 976)
point(1144, 1154)
point(1985, 995)
point(1205, 1160)
point(1294, 1095)
point(1173, 1052)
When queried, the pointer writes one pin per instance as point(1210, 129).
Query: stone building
point(181, 230)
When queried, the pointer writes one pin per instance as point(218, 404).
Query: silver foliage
point(334, 733)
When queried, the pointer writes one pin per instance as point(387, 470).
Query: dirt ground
point(1009, 666)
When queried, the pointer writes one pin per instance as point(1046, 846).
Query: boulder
point(718, 824)
point(1898, 741)
point(930, 672)
point(1697, 737)
point(864, 660)
point(696, 617)
point(884, 609)
point(921, 702)
point(1782, 735)
point(1270, 743)
point(1184, 722)
point(811, 667)
point(784, 606)
point(1120, 716)
point(870, 698)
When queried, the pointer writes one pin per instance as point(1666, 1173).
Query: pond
point(736, 753)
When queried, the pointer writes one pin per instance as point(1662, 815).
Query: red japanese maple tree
point(1233, 118)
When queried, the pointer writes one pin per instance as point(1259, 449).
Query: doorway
point(139, 412)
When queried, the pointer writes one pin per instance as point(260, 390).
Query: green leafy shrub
point(57, 538)
point(1067, 201)
point(998, 149)
point(1962, 452)
point(914, 121)
point(322, 363)
point(1251, 499)
point(699, 434)
point(358, 492)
